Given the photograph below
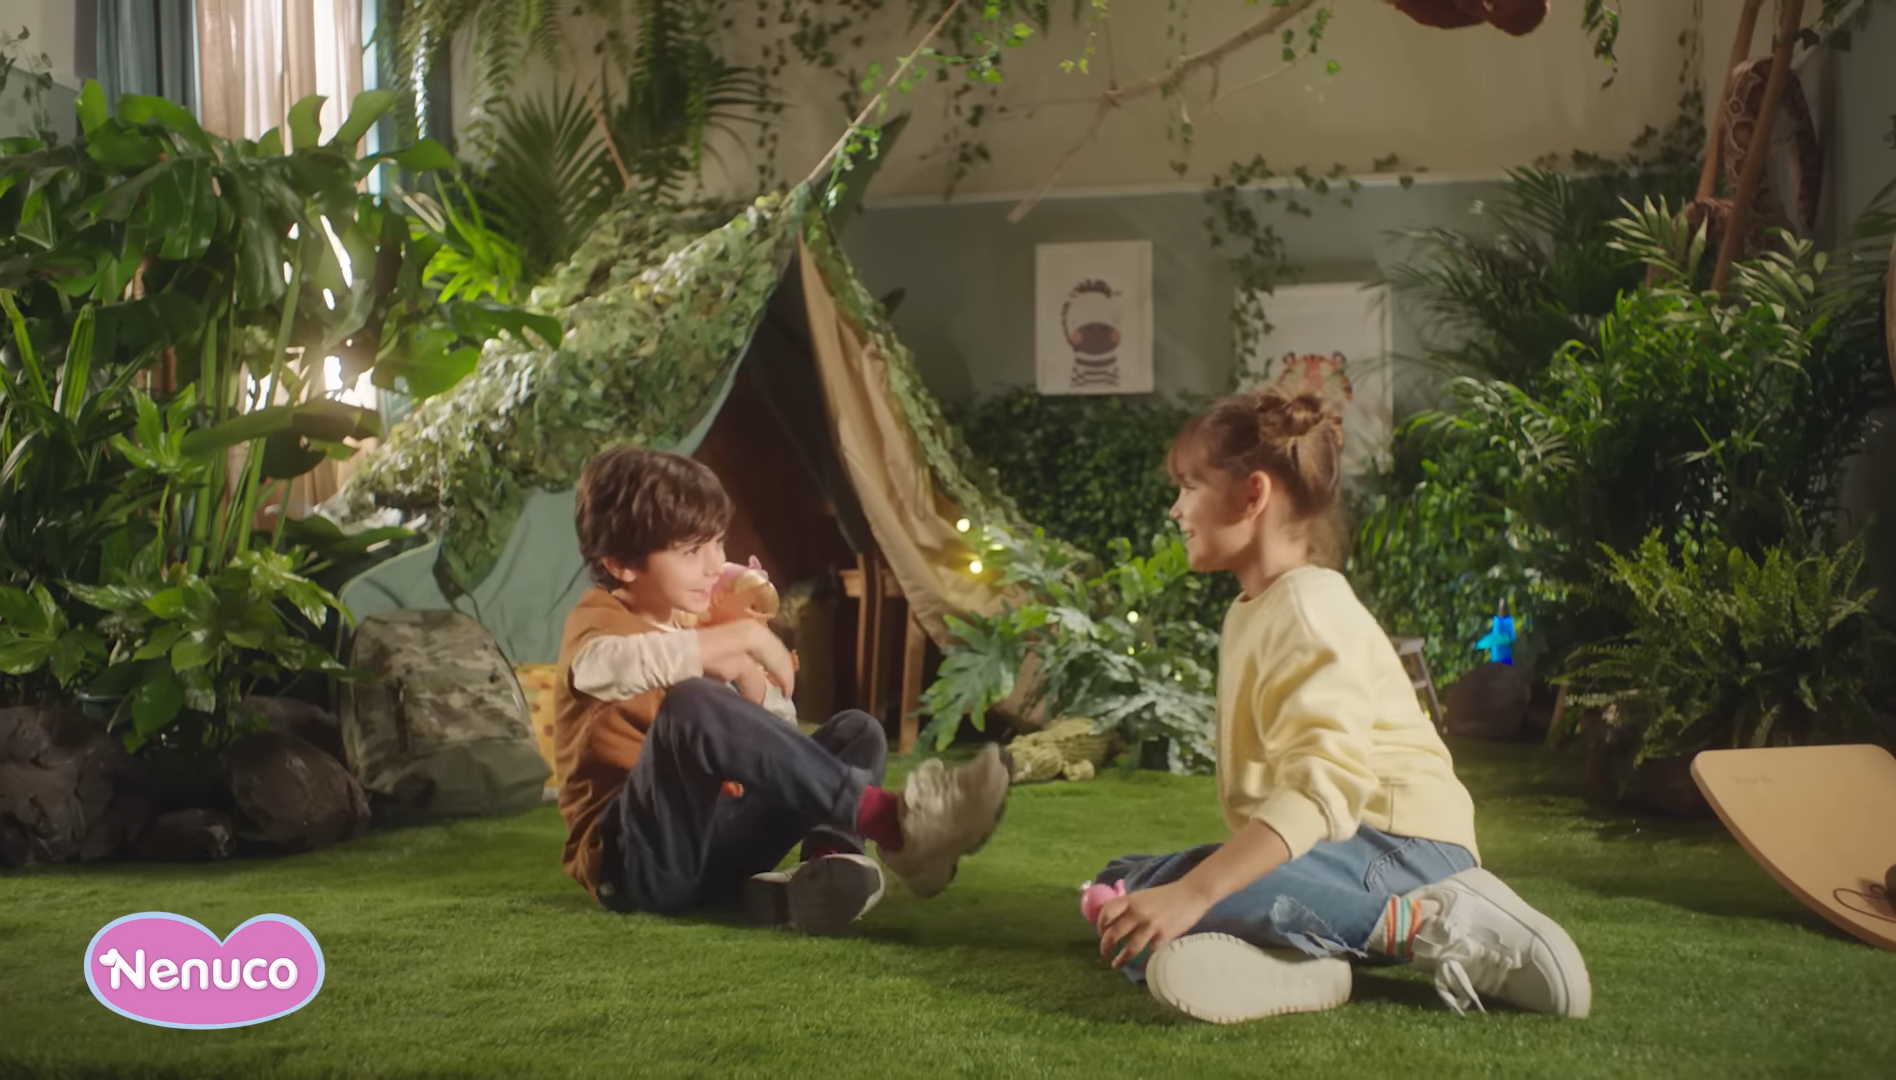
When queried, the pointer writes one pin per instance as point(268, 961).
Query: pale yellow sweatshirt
point(1319, 730)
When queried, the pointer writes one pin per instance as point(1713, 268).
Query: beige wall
point(1457, 102)
point(51, 25)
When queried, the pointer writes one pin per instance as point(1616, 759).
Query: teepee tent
point(751, 344)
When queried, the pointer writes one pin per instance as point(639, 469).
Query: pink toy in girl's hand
point(1094, 896)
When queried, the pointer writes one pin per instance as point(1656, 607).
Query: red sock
point(876, 819)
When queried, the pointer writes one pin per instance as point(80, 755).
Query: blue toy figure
point(1500, 639)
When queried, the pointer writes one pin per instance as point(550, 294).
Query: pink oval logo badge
point(164, 969)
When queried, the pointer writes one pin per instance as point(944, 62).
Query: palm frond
point(1512, 294)
point(548, 180)
point(1657, 237)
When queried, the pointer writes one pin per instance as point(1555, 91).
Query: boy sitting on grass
point(682, 791)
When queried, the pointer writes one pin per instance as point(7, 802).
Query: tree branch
point(1217, 96)
point(1269, 24)
point(604, 131)
point(863, 117)
point(1092, 132)
point(1714, 139)
point(1759, 151)
point(1115, 95)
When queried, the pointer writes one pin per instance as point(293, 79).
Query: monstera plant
point(183, 313)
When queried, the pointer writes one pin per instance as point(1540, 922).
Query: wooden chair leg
point(913, 656)
point(865, 605)
point(878, 649)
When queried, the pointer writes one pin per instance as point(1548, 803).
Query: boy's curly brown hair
point(633, 502)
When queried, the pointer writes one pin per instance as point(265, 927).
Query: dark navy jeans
point(680, 843)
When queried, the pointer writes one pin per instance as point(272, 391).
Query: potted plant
point(1728, 650)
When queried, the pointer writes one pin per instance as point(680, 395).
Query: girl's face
point(1214, 511)
point(678, 578)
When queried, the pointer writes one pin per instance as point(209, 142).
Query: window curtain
point(148, 47)
point(258, 58)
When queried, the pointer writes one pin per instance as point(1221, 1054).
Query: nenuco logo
point(164, 969)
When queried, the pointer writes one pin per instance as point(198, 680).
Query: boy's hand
point(729, 653)
point(754, 685)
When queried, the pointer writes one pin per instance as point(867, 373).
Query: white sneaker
point(1479, 937)
point(823, 896)
point(945, 814)
point(1222, 980)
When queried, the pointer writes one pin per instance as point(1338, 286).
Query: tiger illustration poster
point(1093, 318)
point(1333, 340)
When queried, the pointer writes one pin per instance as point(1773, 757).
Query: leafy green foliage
point(198, 644)
point(1242, 205)
point(169, 296)
point(1091, 471)
point(1456, 526)
point(1118, 647)
point(1088, 469)
point(1690, 417)
point(417, 35)
point(1501, 303)
point(678, 90)
point(35, 634)
point(1730, 650)
point(1438, 548)
point(549, 179)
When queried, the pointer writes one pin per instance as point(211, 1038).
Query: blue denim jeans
point(1326, 902)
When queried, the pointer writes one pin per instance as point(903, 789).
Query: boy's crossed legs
point(681, 845)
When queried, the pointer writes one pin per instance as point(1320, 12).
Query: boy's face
point(678, 578)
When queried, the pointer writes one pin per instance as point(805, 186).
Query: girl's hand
point(1145, 921)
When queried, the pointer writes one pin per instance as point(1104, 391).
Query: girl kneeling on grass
point(1351, 836)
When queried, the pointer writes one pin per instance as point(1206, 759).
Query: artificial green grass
point(461, 950)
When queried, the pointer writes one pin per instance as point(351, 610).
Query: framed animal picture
point(1093, 318)
point(1334, 340)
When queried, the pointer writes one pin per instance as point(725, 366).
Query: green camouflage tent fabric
point(658, 311)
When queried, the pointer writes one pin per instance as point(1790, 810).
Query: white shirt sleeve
point(619, 667)
point(777, 702)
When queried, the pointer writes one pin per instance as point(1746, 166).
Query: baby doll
point(741, 592)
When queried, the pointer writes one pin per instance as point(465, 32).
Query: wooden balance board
point(1820, 819)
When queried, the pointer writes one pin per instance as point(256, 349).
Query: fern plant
point(1439, 544)
point(1117, 646)
point(1728, 650)
point(677, 90)
point(549, 179)
point(504, 34)
point(555, 164)
point(1502, 302)
point(1692, 416)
